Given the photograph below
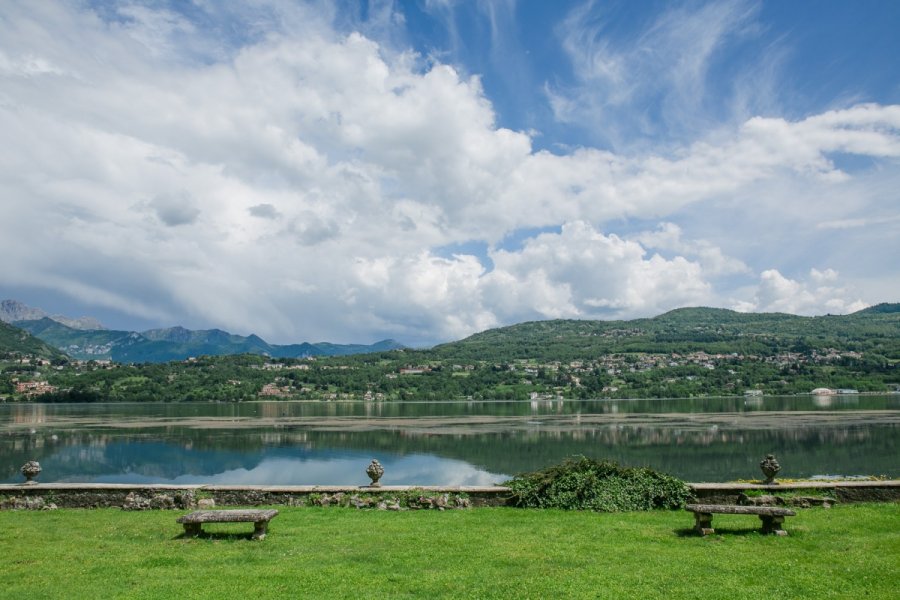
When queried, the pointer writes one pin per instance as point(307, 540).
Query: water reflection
point(347, 469)
point(39, 413)
point(466, 443)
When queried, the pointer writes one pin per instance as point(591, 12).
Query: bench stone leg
point(259, 529)
point(192, 529)
point(772, 524)
point(703, 523)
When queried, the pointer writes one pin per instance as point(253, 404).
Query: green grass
point(850, 551)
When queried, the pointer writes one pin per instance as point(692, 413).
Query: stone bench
point(260, 518)
point(772, 517)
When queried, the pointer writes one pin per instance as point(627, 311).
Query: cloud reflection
point(414, 469)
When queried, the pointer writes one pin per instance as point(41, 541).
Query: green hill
point(15, 342)
point(713, 330)
point(883, 308)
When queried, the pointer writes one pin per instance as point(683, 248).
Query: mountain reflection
point(282, 443)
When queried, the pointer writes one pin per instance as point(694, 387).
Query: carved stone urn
point(770, 467)
point(30, 470)
point(375, 471)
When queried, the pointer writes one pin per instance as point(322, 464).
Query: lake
point(446, 443)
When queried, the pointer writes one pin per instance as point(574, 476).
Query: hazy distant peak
point(13, 310)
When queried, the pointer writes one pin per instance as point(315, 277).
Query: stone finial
point(770, 467)
point(375, 471)
point(30, 470)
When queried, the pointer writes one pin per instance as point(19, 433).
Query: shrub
point(582, 483)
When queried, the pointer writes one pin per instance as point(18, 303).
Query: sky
point(350, 171)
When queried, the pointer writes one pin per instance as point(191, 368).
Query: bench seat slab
point(731, 509)
point(228, 516)
point(772, 517)
point(260, 518)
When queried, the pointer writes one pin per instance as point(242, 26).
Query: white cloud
point(439, 295)
point(822, 277)
point(777, 293)
point(581, 273)
point(576, 273)
point(298, 186)
point(668, 236)
point(27, 65)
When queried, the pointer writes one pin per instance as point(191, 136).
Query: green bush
point(582, 483)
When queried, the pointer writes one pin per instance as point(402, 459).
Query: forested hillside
point(712, 330)
point(16, 343)
point(691, 352)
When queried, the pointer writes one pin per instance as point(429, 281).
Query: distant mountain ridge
point(86, 339)
point(177, 343)
point(13, 310)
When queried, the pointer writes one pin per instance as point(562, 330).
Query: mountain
point(97, 344)
point(209, 337)
point(874, 330)
point(13, 310)
point(176, 343)
point(689, 352)
point(17, 342)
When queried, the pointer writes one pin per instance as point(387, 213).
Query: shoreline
point(11, 401)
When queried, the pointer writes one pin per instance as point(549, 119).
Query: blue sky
point(812, 56)
point(426, 169)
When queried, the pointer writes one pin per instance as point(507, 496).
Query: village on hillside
point(820, 372)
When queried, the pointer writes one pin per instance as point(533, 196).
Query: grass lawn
point(850, 551)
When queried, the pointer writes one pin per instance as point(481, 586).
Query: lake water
point(452, 443)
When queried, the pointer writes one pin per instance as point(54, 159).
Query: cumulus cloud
point(299, 185)
point(581, 272)
point(818, 294)
point(576, 273)
point(669, 236)
point(423, 292)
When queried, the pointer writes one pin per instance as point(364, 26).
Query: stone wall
point(149, 497)
point(841, 491)
point(45, 497)
point(49, 496)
